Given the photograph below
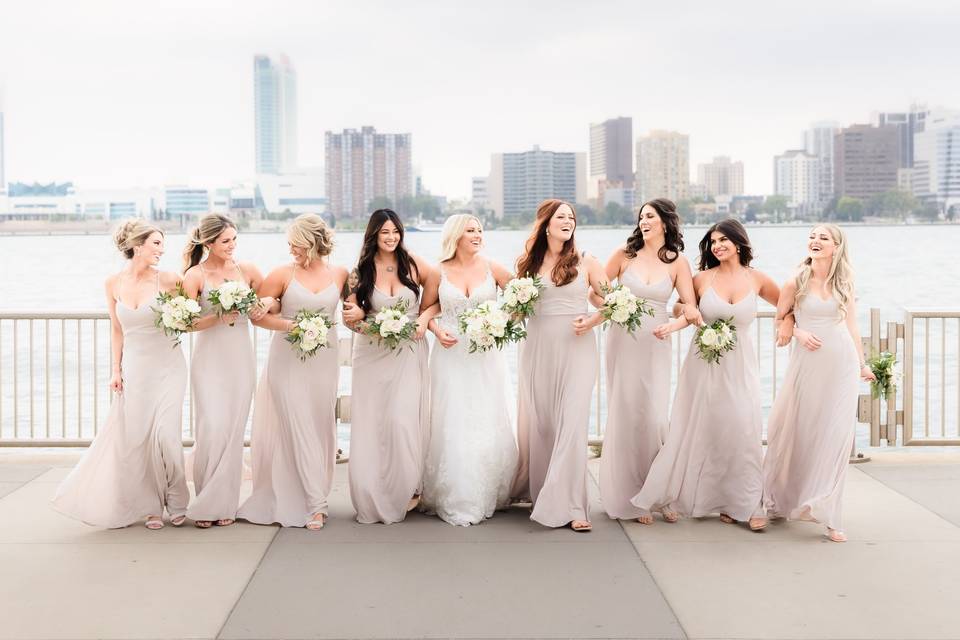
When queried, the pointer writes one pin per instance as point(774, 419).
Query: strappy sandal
point(727, 519)
point(646, 518)
point(670, 516)
point(836, 535)
point(178, 521)
point(414, 503)
point(758, 523)
point(224, 522)
point(317, 522)
point(581, 526)
point(154, 523)
point(203, 524)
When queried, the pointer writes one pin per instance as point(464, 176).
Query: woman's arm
point(597, 277)
point(785, 320)
point(851, 321)
point(192, 287)
point(683, 283)
point(501, 274)
point(116, 337)
point(766, 287)
point(273, 286)
point(254, 279)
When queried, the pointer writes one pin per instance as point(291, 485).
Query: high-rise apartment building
point(936, 160)
point(478, 191)
point(663, 166)
point(818, 141)
point(908, 124)
point(796, 175)
point(275, 114)
point(3, 178)
point(363, 165)
point(519, 182)
point(721, 177)
point(611, 157)
point(866, 160)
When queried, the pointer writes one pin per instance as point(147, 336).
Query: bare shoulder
point(169, 280)
point(111, 283)
point(701, 277)
point(283, 272)
point(498, 269)
point(192, 274)
point(590, 261)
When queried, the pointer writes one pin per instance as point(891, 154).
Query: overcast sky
point(130, 93)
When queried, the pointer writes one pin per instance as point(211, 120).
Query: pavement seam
point(898, 492)
point(247, 585)
point(24, 483)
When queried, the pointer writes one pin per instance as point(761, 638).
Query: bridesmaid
point(711, 459)
point(638, 364)
point(811, 426)
point(557, 372)
point(391, 389)
point(222, 371)
point(294, 445)
point(134, 468)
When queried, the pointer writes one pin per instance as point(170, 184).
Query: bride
point(473, 452)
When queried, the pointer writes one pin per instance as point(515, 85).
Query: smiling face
point(224, 244)
point(722, 247)
point(562, 223)
point(471, 241)
point(650, 224)
point(151, 249)
point(388, 237)
point(820, 244)
point(299, 253)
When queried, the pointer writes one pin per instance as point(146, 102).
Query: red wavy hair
point(535, 248)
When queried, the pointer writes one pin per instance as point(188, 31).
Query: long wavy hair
point(535, 248)
point(840, 276)
point(453, 229)
point(672, 236)
point(367, 269)
point(208, 229)
point(736, 233)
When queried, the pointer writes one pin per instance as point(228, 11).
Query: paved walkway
point(507, 578)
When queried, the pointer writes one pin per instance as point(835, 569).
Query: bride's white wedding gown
point(473, 451)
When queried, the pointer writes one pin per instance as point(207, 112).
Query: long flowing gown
point(390, 420)
point(711, 460)
point(557, 373)
point(638, 399)
point(812, 424)
point(294, 445)
point(472, 454)
point(223, 376)
point(134, 468)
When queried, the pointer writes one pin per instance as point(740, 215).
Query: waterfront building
point(866, 160)
point(721, 177)
point(936, 160)
point(611, 157)
point(818, 142)
point(275, 114)
point(363, 165)
point(908, 124)
point(796, 175)
point(663, 166)
point(519, 182)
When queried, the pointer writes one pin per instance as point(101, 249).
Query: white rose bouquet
point(175, 313)
point(233, 296)
point(623, 308)
point(309, 333)
point(714, 340)
point(520, 294)
point(391, 326)
point(883, 366)
point(487, 326)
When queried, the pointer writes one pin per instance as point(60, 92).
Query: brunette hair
point(207, 230)
point(535, 248)
point(672, 236)
point(731, 228)
point(367, 270)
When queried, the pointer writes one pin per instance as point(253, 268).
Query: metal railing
point(54, 370)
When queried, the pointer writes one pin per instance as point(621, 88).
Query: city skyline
point(162, 114)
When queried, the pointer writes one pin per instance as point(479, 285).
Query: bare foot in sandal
point(836, 535)
point(153, 523)
point(670, 516)
point(727, 519)
point(758, 523)
point(319, 519)
point(645, 519)
point(202, 524)
point(581, 525)
point(225, 522)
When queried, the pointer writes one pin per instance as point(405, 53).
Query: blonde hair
point(132, 233)
point(207, 230)
point(840, 276)
point(453, 229)
point(311, 233)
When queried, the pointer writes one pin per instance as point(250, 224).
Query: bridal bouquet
point(520, 294)
point(391, 326)
point(175, 313)
point(233, 296)
point(882, 366)
point(488, 326)
point(623, 308)
point(714, 340)
point(309, 333)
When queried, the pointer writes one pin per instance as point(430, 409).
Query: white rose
point(510, 297)
point(192, 306)
point(620, 315)
point(709, 338)
point(310, 334)
point(226, 300)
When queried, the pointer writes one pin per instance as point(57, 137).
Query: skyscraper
point(866, 160)
point(908, 124)
point(519, 182)
point(721, 177)
point(275, 114)
point(663, 166)
point(936, 160)
point(3, 177)
point(818, 142)
point(363, 165)
point(796, 175)
point(611, 160)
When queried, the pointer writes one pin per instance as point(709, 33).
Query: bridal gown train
point(472, 454)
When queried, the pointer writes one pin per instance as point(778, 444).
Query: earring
point(548, 233)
